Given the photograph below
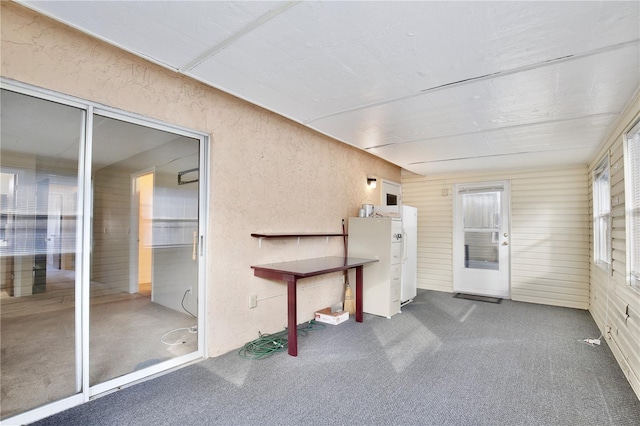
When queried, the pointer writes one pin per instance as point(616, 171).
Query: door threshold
point(477, 298)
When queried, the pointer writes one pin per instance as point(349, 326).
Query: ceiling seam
point(237, 35)
point(497, 74)
point(490, 155)
point(498, 129)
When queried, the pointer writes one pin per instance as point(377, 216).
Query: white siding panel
point(547, 255)
point(549, 232)
point(435, 235)
point(614, 304)
point(564, 301)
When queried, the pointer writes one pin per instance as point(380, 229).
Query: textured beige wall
point(266, 172)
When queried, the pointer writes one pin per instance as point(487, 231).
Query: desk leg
point(292, 310)
point(359, 293)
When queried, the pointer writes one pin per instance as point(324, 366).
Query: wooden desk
point(291, 272)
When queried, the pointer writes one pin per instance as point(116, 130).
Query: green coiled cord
point(267, 344)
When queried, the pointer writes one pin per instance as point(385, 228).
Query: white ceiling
point(433, 87)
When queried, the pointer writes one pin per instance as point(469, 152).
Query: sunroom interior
point(141, 150)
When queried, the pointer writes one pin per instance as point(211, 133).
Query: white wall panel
point(435, 235)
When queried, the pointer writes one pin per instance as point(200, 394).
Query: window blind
point(602, 212)
point(632, 201)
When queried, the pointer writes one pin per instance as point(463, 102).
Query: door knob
point(505, 243)
point(506, 235)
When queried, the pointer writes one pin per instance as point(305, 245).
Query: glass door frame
point(162, 367)
point(83, 251)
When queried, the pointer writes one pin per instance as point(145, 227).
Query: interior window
point(632, 202)
point(602, 213)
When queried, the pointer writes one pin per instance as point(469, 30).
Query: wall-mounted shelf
point(281, 235)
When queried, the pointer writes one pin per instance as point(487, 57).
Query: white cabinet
point(378, 238)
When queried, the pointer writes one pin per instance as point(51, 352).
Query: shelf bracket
point(260, 242)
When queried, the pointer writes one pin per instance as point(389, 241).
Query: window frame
point(602, 213)
point(632, 205)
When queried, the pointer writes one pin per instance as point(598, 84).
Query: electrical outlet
point(253, 300)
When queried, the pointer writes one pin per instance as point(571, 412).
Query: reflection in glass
point(481, 210)
point(38, 230)
point(481, 229)
point(481, 250)
point(144, 263)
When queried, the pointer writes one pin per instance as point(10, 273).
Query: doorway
point(390, 193)
point(481, 258)
point(142, 220)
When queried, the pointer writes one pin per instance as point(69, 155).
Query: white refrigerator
point(409, 280)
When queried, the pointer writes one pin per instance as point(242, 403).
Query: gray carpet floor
point(442, 361)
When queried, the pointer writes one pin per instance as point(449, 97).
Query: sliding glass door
point(144, 258)
point(101, 248)
point(39, 236)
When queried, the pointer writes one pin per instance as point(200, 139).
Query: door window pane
point(482, 210)
point(481, 215)
point(144, 259)
point(38, 231)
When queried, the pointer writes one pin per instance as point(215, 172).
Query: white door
point(481, 239)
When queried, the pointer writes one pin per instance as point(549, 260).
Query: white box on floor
point(325, 315)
